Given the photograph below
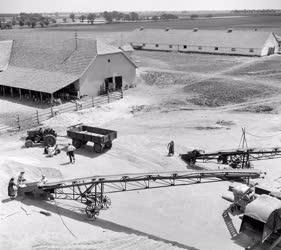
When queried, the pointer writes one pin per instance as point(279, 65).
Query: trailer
point(81, 134)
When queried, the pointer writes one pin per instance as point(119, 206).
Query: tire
point(77, 143)
point(98, 148)
point(49, 140)
point(108, 145)
point(29, 143)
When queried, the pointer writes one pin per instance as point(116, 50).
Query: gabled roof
point(197, 37)
point(5, 52)
point(49, 61)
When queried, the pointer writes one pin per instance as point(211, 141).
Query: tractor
point(45, 136)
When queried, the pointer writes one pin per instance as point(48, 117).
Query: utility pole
point(75, 37)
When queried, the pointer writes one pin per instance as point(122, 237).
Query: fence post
point(52, 111)
point(108, 100)
point(77, 108)
point(37, 116)
point(93, 103)
point(18, 122)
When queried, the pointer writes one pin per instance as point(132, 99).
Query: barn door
point(271, 51)
point(118, 82)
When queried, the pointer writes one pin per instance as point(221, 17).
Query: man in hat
point(171, 148)
point(12, 189)
point(21, 179)
point(70, 152)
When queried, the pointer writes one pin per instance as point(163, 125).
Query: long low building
point(52, 64)
point(230, 42)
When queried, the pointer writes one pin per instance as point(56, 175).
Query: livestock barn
point(229, 42)
point(48, 65)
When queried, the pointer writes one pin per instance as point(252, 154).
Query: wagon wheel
point(106, 202)
point(76, 143)
point(92, 211)
point(98, 148)
point(28, 143)
point(49, 140)
point(108, 144)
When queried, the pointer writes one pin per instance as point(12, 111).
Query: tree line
point(25, 19)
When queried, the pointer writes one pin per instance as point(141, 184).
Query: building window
point(184, 46)
point(251, 50)
point(170, 46)
point(233, 49)
point(200, 48)
point(156, 45)
point(216, 48)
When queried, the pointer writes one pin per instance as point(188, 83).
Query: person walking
point(171, 148)
point(70, 153)
point(12, 188)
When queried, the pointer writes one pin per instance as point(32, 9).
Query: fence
point(41, 116)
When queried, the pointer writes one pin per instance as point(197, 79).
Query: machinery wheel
point(98, 148)
point(77, 143)
point(49, 140)
point(28, 143)
point(108, 145)
point(92, 211)
point(106, 202)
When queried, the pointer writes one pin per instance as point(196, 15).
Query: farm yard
point(198, 101)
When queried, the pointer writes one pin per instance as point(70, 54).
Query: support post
point(41, 97)
point(93, 103)
point(37, 117)
point(12, 94)
point(122, 95)
point(18, 122)
point(52, 111)
point(108, 99)
point(3, 91)
point(20, 93)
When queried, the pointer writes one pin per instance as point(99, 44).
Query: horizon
point(76, 6)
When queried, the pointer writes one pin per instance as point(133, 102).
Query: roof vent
point(195, 29)
point(141, 28)
point(229, 30)
point(167, 29)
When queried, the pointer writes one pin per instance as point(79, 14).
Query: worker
point(171, 148)
point(21, 179)
point(46, 150)
point(42, 181)
point(12, 189)
point(70, 153)
point(57, 150)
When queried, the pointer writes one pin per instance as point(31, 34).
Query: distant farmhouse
point(53, 64)
point(230, 42)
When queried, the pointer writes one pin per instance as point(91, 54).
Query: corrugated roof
point(214, 38)
point(49, 61)
point(5, 52)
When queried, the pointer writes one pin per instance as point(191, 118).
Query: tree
point(64, 19)
point(155, 18)
point(194, 16)
point(108, 16)
point(72, 17)
point(46, 21)
point(14, 21)
point(134, 16)
point(168, 16)
point(82, 18)
point(91, 17)
point(21, 22)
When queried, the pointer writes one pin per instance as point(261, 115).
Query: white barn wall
point(93, 78)
point(270, 42)
point(205, 49)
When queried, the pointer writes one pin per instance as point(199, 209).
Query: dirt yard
point(200, 102)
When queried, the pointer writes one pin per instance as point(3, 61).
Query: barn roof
point(197, 37)
point(49, 61)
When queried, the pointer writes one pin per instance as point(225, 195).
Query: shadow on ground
point(108, 225)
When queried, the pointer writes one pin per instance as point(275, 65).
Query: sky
point(16, 6)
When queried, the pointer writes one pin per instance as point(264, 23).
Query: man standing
point(171, 148)
point(21, 179)
point(12, 189)
point(70, 153)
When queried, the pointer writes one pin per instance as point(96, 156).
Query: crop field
point(246, 22)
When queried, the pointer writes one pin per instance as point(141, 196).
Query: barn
point(229, 42)
point(46, 65)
